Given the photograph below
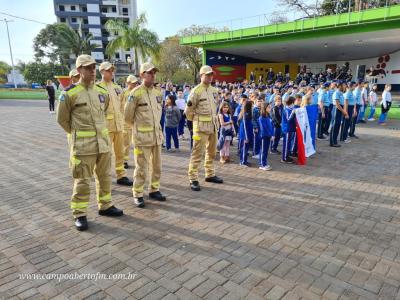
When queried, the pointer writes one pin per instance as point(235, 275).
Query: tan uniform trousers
point(127, 142)
point(117, 140)
point(203, 142)
point(147, 159)
point(83, 167)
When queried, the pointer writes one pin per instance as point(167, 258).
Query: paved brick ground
point(327, 230)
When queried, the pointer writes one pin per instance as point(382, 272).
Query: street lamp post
point(12, 60)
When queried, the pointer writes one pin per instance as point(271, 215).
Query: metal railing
point(235, 27)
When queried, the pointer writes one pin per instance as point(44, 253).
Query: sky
point(165, 17)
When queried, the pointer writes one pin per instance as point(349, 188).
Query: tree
point(56, 42)
point(191, 55)
point(71, 42)
point(169, 60)
point(4, 70)
point(143, 41)
point(37, 72)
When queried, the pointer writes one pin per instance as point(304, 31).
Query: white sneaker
point(266, 168)
point(347, 141)
point(255, 156)
point(371, 119)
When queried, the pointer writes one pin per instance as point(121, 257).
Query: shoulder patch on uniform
point(130, 98)
point(61, 97)
point(102, 98)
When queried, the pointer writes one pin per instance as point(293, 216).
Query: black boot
point(111, 212)
point(126, 166)
point(195, 186)
point(124, 181)
point(81, 223)
point(139, 202)
point(214, 179)
point(157, 196)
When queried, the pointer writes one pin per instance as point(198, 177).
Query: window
point(116, 55)
point(61, 8)
point(103, 21)
point(104, 10)
point(124, 11)
point(63, 20)
point(85, 21)
point(84, 8)
point(73, 7)
point(73, 20)
point(114, 9)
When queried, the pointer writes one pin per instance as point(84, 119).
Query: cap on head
point(131, 79)
point(106, 66)
point(206, 70)
point(84, 60)
point(73, 73)
point(147, 67)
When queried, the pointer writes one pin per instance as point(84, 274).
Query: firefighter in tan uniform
point(74, 75)
point(131, 82)
point(81, 113)
point(201, 109)
point(143, 113)
point(115, 120)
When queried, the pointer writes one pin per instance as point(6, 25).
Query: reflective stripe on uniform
point(110, 116)
point(84, 134)
point(205, 118)
point(105, 198)
point(126, 157)
point(79, 205)
point(75, 161)
point(137, 151)
point(145, 128)
point(138, 189)
point(196, 138)
point(74, 90)
point(120, 168)
point(155, 184)
point(104, 132)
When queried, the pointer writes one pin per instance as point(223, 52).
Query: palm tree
point(76, 43)
point(143, 41)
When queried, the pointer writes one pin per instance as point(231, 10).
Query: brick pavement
point(328, 230)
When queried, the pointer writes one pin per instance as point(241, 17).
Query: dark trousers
point(344, 132)
point(277, 137)
point(172, 132)
point(336, 121)
point(328, 119)
point(294, 145)
point(353, 121)
point(287, 144)
point(51, 104)
point(243, 151)
point(190, 127)
point(322, 122)
point(265, 142)
point(256, 143)
point(181, 126)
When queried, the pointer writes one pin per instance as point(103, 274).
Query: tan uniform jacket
point(115, 118)
point(81, 113)
point(143, 113)
point(202, 109)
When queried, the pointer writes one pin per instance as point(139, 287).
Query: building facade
point(92, 15)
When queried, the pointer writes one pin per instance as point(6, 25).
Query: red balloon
point(383, 65)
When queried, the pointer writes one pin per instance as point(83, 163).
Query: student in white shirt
point(385, 104)
point(181, 104)
point(373, 99)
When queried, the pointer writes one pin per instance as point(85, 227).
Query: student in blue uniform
point(276, 116)
point(266, 132)
point(323, 111)
point(328, 121)
point(256, 129)
point(349, 104)
point(245, 132)
point(338, 113)
point(358, 104)
point(288, 130)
